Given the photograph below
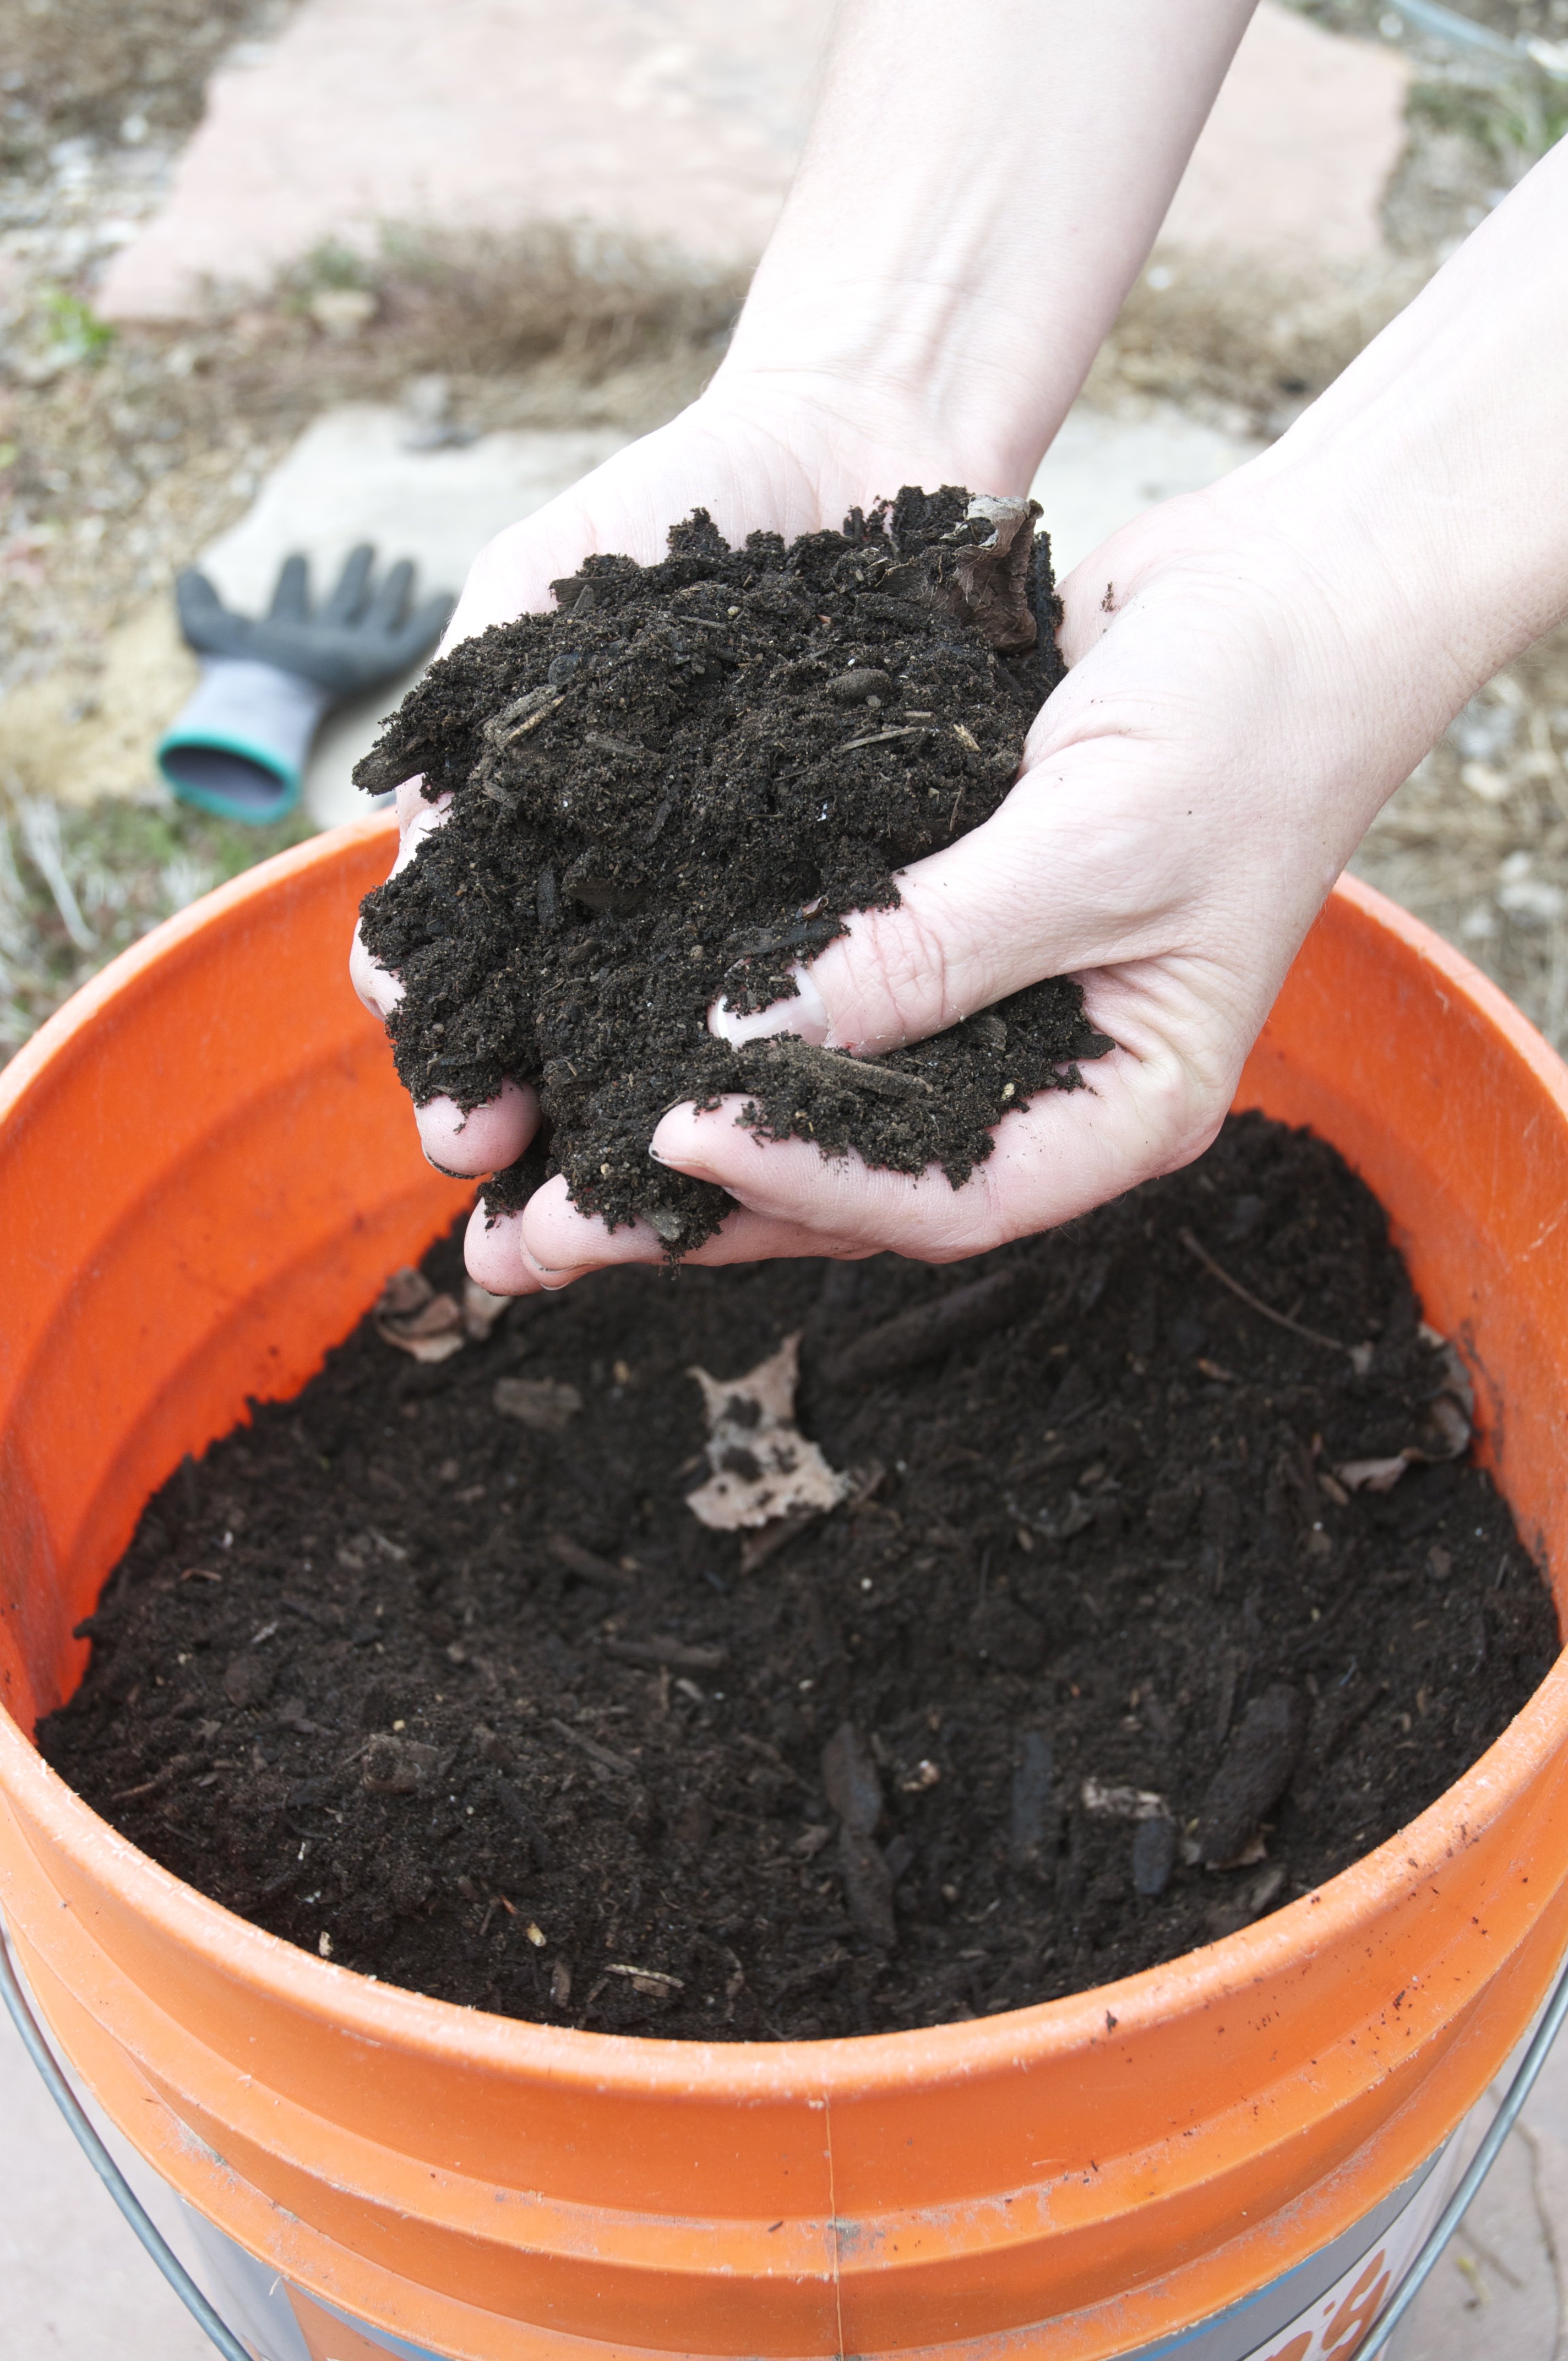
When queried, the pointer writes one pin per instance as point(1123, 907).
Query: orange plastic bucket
point(207, 1168)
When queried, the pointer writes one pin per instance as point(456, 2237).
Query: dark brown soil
point(486, 1710)
point(676, 788)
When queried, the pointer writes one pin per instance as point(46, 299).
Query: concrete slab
point(1105, 468)
point(1299, 146)
point(678, 119)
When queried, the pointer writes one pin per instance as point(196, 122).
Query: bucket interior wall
point(208, 1167)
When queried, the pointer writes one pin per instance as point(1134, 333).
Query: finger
point(291, 591)
point(493, 1252)
point(204, 620)
point(377, 986)
point(550, 1245)
point(385, 613)
point(560, 1239)
point(1070, 874)
point(1147, 1109)
point(348, 591)
point(417, 820)
point(411, 803)
point(486, 1138)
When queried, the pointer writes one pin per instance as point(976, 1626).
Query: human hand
point(1187, 797)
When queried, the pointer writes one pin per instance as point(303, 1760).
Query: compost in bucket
point(1142, 1614)
point(670, 793)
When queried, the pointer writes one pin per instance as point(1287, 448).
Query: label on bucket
point(1300, 2318)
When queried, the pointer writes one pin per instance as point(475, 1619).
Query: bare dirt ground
point(122, 454)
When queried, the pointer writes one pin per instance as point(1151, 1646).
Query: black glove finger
point(421, 631)
point(204, 620)
point(389, 605)
point(291, 591)
point(348, 594)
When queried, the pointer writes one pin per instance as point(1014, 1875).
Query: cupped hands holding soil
point(670, 795)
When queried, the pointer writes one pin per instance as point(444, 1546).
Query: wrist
point(911, 372)
point(864, 424)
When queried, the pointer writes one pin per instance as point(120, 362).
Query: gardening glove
point(240, 747)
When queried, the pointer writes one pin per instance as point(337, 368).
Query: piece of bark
point(398, 1766)
point(1030, 1815)
point(987, 584)
point(248, 1679)
point(1153, 1856)
point(957, 1317)
point(1253, 1774)
point(868, 1887)
point(588, 1563)
point(539, 1403)
point(851, 1780)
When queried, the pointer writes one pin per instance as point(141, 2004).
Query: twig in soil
point(175, 1768)
point(757, 1548)
point(593, 1749)
point(668, 1652)
point(832, 1066)
point(651, 1981)
point(880, 737)
point(586, 1563)
point(1360, 1355)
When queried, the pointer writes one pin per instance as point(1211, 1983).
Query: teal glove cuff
point(240, 747)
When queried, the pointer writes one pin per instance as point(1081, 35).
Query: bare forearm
point(980, 187)
point(1430, 481)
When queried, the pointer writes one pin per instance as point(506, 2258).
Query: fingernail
point(807, 1014)
point(445, 1168)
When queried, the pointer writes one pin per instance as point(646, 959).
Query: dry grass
point(76, 887)
point(80, 68)
point(121, 455)
point(1245, 340)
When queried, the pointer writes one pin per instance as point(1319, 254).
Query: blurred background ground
point(557, 308)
